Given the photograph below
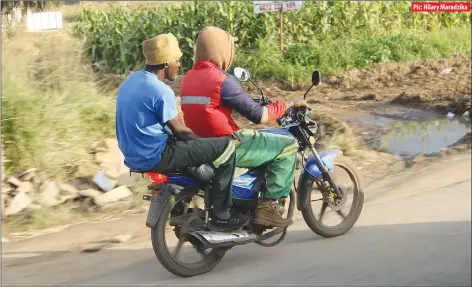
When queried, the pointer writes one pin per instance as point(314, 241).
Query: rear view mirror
point(241, 74)
point(316, 78)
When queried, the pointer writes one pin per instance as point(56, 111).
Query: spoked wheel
point(340, 212)
point(185, 259)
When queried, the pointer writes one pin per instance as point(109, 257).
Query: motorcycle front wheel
point(341, 164)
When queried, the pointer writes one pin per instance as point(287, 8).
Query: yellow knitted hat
point(161, 49)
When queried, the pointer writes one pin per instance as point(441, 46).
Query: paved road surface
point(420, 237)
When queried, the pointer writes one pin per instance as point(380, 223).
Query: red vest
point(201, 102)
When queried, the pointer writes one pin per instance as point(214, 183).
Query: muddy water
point(426, 136)
point(407, 132)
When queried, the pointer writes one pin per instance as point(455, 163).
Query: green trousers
point(277, 152)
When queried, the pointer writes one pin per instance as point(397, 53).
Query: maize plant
point(114, 38)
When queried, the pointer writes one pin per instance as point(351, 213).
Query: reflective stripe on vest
point(195, 100)
point(201, 104)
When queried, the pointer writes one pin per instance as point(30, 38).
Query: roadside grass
point(52, 110)
point(45, 217)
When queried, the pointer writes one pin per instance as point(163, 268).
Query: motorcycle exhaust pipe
point(215, 239)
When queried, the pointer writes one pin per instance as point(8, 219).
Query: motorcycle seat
point(204, 172)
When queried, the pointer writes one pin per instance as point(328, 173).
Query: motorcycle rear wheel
point(165, 257)
point(357, 204)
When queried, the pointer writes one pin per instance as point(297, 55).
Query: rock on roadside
point(19, 202)
point(70, 189)
point(92, 193)
point(113, 195)
point(28, 175)
point(111, 160)
point(26, 187)
point(14, 181)
point(49, 191)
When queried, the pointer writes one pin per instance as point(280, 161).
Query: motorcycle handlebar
point(263, 102)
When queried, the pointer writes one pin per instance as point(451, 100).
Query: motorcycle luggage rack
point(137, 171)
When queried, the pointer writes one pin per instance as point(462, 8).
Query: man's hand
point(179, 129)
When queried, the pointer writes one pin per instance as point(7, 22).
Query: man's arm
point(234, 96)
point(179, 129)
point(166, 108)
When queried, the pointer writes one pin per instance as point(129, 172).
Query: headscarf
point(215, 45)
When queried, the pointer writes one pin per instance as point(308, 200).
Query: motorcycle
point(172, 194)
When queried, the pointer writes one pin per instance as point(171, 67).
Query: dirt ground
point(443, 84)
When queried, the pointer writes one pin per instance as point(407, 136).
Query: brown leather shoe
point(267, 214)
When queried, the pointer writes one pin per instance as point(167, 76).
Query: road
point(415, 230)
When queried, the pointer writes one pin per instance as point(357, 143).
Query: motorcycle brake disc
point(337, 206)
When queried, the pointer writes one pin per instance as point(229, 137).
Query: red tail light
point(157, 177)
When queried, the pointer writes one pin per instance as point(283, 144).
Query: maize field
point(113, 39)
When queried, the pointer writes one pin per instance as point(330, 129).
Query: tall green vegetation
point(52, 110)
point(113, 38)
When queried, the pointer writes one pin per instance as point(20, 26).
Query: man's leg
point(279, 153)
point(217, 151)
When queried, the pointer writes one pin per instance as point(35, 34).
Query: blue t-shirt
point(143, 106)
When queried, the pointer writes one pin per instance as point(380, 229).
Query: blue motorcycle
point(173, 198)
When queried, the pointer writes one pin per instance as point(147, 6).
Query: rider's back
point(201, 104)
point(143, 106)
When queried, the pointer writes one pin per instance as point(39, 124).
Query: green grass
point(52, 110)
point(294, 65)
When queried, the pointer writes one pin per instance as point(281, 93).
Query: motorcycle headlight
point(312, 140)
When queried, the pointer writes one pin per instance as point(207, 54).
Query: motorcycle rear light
point(157, 177)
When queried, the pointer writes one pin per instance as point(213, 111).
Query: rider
point(209, 95)
point(145, 107)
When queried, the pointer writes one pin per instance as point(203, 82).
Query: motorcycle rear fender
point(328, 157)
point(158, 202)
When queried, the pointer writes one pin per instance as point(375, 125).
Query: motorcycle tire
point(165, 258)
point(354, 213)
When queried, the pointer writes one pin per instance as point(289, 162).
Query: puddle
point(407, 132)
point(422, 137)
